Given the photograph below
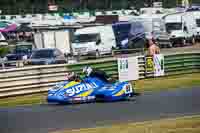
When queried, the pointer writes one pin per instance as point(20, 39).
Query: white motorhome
point(95, 40)
point(181, 27)
point(53, 39)
point(150, 11)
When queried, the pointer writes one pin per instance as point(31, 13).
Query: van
point(129, 35)
point(96, 40)
point(181, 27)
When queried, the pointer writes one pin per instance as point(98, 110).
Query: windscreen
point(173, 26)
point(42, 54)
point(121, 31)
point(137, 28)
point(147, 26)
point(198, 22)
point(23, 49)
point(83, 38)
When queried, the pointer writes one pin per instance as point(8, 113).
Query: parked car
point(22, 49)
point(47, 56)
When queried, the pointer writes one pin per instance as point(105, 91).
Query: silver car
point(47, 56)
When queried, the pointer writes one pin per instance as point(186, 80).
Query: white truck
point(181, 27)
point(97, 40)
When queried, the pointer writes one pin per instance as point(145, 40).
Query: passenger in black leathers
point(96, 73)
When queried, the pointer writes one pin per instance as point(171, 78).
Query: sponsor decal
point(88, 98)
point(159, 65)
point(77, 98)
point(155, 65)
point(80, 88)
point(149, 64)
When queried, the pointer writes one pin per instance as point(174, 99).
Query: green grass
point(166, 83)
point(23, 100)
point(177, 125)
point(153, 84)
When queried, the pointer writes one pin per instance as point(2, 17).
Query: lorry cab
point(97, 40)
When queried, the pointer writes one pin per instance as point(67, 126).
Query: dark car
point(47, 56)
point(20, 51)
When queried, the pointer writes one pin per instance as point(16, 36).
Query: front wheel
point(131, 97)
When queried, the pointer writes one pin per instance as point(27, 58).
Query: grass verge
point(168, 83)
point(177, 125)
point(154, 84)
point(23, 100)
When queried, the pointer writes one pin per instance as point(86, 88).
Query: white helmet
point(87, 70)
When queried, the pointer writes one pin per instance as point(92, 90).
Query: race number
point(128, 89)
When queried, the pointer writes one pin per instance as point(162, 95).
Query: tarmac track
point(149, 106)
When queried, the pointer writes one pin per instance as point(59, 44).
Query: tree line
point(41, 6)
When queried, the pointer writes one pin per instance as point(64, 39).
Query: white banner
point(128, 68)
point(159, 65)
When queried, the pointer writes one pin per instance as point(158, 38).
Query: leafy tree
point(41, 6)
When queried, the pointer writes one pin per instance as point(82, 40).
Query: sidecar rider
point(96, 73)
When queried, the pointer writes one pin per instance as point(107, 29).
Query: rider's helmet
point(87, 70)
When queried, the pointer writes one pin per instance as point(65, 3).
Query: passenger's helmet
point(87, 70)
